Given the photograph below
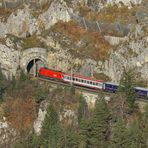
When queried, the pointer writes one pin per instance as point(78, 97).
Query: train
point(87, 82)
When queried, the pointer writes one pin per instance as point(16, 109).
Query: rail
point(84, 89)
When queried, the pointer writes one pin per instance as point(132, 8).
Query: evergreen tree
point(50, 129)
point(13, 83)
point(85, 133)
point(3, 85)
point(23, 76)
point(68, 139)
point(40, 94)
point(82, 108)
point(127, 84)
point(100, 125)
point(135, 137)
point(119, 137)
point(144, 123)
point(31, 142)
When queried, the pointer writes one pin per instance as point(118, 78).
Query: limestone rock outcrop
point(58, 11)
point(9, 60)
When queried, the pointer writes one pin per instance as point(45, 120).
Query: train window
point(98, 84)
point(82, 81)
point(90, 82)
point(73, 79)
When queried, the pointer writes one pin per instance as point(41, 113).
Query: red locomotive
point(50, 74)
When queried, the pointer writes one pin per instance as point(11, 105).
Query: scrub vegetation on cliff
point(110, 13)
point(87, 43)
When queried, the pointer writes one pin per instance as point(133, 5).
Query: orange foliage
point(20, 113)
point(70, 28)
point(109, 13)
point(96, 46)
point(5, 12)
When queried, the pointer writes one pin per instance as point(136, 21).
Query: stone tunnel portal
point(34, 65)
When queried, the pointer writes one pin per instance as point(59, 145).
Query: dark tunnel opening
point(34, 65)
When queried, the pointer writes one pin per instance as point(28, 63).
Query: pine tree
point(119, 137)
point(82, 108)
point(3, 85)
point(100, 125)
point(40, 94)
point(144, 123)
point(23, 76)
point(127, 84)
point(68, 139)
point(85, 133)
point(50, 129)
point(135, 137)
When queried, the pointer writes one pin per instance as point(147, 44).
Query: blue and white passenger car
point(110, 87)
point(141, 92)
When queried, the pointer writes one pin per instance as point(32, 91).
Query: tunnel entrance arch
point(34, 65)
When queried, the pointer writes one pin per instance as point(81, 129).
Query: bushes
point(32, 42)
point(20, 112)
point(3, 85)
point(40, 94)
point(93, 43)
point(110, 13)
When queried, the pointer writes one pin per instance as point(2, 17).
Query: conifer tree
point(135, 138)
point(82, 108)
point(85, 133)
point(23, 76)
point(100, 125)
point(144, 123)
point(119, 137)
point(3, 85)
point(127, 84)
point(68, 139)
point(50, 129)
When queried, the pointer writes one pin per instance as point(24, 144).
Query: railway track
point(94, 91)
point(84, 89)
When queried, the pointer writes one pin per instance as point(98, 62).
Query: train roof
point(50, 69)
point(141, 88)
point(112, 83)
point(83, 77)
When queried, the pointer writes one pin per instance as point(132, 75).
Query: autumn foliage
point(94, 44)
point(20, 113)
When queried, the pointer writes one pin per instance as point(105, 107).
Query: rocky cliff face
point(61, 52)
point(130, 51)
